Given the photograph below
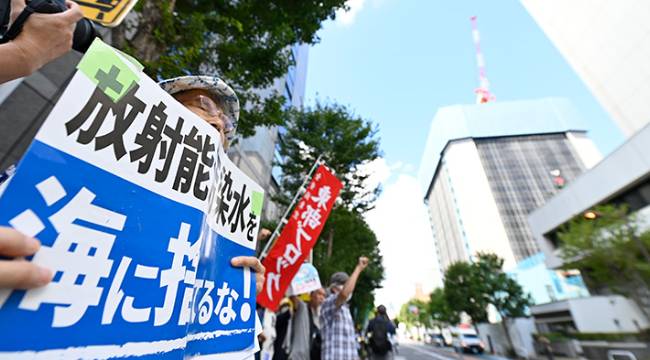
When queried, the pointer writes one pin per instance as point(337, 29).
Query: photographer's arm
point(43, 38)
point(12, 63)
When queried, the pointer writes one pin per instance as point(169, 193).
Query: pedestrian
point(305, 339)
point(283, 319)
point(380, 331)
point(337, 327)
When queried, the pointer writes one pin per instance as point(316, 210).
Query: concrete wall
point(607, 314)
point(585, 148)
point(447, 235)
point(521, 333)
point(606, 43)
point(476, 208)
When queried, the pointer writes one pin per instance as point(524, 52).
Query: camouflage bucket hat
point(212, 84)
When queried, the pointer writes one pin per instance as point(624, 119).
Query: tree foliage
point(344, 140)
point(465, 291)
point(471, 287)
point(415, 313)
point(246, 41)
point(439, 310)
point(610, 251)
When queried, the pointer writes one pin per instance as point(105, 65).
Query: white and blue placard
point(139, 212)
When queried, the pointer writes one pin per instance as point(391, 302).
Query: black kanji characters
point(190, 171)
point(149, 138)
point(123, 120)
point(237, 214)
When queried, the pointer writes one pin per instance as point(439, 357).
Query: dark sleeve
point(391, 328)
point(371, 326)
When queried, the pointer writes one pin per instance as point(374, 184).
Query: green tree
point(246, 41)
point(441, 313)
point(344, 140)
point(415, 312)
point(611, 252)
point(465, 291)
point(472, 287)
point(502, 291)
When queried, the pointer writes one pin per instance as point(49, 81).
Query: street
point(415, 351)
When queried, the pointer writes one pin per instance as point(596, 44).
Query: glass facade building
point(518, 169)
point(487, 166)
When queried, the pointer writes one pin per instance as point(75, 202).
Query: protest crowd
point(322, 326)
point(311, 324)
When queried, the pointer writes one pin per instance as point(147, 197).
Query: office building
point(606, 43)
point(546, 285)
point(486, 167)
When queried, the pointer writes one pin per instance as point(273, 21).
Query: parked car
point(620, 355)
point(438, 340)
point(468, 343)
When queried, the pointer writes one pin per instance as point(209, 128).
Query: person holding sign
point(20, 274)
point(214, 101)
point(208, 97)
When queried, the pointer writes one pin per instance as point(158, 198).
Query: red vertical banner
point(298, 236)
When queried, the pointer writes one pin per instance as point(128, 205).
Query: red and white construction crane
point(483, 94)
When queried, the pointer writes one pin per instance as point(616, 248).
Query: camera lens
point(84, 34)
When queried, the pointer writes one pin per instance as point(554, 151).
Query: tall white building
point(485, 167)
point(608, 45)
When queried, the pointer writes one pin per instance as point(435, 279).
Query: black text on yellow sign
point(106, 12)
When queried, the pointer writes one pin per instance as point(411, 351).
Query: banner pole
point(284, 220)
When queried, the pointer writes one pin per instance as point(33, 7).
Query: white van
point(467, 342)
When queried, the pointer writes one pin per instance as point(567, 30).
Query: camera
point(84, 32)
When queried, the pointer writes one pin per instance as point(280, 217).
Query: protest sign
point(106, 12)
point(306, 280)
point(298, 236)
point(139, 212)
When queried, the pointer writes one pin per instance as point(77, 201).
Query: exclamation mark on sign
point(247, 283)
point(245, 311)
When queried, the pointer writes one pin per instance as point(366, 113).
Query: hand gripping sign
point(306, 280)
point(139, 212)
point(298, 236)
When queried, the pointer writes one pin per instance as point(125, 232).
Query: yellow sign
point(106, 12)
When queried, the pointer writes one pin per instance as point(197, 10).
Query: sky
point(395, 62)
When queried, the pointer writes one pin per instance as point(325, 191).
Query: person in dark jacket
point(379, 332)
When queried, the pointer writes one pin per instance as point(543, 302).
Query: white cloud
point(346, 18)
point(378, 170)
point(401, 223)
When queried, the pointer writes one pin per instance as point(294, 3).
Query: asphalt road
point(413, 351)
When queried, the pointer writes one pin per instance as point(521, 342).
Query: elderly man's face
point(201, 103)
point(317, 297)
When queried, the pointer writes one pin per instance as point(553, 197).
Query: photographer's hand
point(43, 38)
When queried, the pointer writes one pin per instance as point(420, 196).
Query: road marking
point(433, 354)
